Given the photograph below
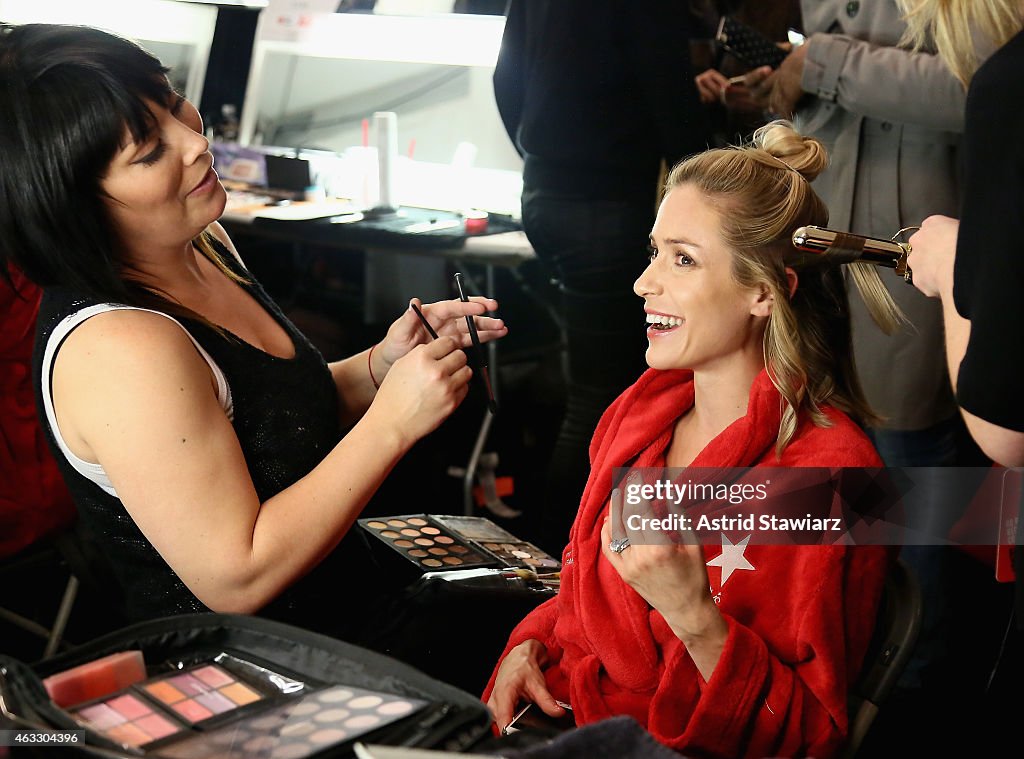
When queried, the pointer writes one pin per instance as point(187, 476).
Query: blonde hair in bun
point(805, 155)
point(808, 157)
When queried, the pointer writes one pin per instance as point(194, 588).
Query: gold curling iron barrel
point(829, 246)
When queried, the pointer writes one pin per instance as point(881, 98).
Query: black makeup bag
point(453, 720)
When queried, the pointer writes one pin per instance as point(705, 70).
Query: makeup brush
point(423, 319)
point(492, 404)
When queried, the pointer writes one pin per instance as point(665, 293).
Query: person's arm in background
point(712, 85)
point(509, 86)
point(931, 260)
point(658, 50)
point(976, 265)
point(706, 57)
point(871, 80)
point(723, 83)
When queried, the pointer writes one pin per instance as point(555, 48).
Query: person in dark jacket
point(597, 96)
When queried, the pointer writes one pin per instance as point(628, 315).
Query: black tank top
point(286, 419)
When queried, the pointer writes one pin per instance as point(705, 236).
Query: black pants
point(595, 249)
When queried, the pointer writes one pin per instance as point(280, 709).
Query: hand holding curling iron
point(934, 253)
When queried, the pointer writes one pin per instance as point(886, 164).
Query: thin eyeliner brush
point(424, 320)
point(492, 403)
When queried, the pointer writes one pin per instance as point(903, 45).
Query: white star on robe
point(731, 558)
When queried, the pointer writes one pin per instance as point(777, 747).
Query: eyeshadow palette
point(303, 727)
point(519, 554)
point(426, 543)
point(201, 693)
point(127, 719)
point(167, 705)
point(437, 543)
point(475, 528)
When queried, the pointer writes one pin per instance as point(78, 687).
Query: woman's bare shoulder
point(127, 371)
point(129, 332)
point(125, 354)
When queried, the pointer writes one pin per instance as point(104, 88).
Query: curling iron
point(844, 248)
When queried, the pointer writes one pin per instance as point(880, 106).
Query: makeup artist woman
point(209, 447)
point(738, 650)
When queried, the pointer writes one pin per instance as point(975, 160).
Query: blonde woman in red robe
point(732, 649)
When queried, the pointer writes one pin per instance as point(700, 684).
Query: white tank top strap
point(95, 472)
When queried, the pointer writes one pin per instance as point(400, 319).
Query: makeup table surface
point(420, 231)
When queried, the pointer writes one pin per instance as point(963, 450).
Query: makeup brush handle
point(430, 330)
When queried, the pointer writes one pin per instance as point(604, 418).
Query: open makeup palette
point(434, 543)
point(229, 708)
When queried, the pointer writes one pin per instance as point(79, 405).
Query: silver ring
point(619, 545)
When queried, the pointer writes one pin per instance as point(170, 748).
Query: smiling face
point(698, 317)
point(162, 190)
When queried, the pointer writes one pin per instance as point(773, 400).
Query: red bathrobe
point(799, 617)
point(34, 501)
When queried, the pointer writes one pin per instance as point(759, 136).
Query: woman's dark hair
point(69, 93)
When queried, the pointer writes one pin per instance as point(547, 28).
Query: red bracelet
point(369, 365)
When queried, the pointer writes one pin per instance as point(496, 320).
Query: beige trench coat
point(891, 120)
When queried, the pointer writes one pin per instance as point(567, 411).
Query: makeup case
point(269, 679)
